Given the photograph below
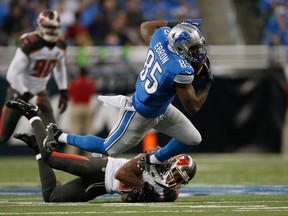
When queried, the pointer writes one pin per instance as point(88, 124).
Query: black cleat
point(25, 108)
point(51, 141)
point(154, 170)
point(29, 139)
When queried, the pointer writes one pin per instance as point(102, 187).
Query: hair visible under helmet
point(48, 25)
point(187, 41)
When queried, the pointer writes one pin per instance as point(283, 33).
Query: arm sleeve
point(60, 74)
point(184, 78)
point(16, 71)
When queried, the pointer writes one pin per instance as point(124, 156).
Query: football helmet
point(187, 41)
point(179, 170)
point(48, 25)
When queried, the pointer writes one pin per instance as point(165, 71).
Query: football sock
point(172, 149)
point(40, 133)
point(63, 138)
point(89, 143)
point(154, 160)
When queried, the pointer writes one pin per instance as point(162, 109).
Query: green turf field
point(227, 172)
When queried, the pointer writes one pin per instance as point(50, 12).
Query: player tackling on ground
point(167, 72)
point(100, 175)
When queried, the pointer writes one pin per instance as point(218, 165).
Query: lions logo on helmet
point(180, 170)
point(48, 23)
point(187, 41)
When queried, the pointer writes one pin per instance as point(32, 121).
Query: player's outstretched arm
point(148, 28)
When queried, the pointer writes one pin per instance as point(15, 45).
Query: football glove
point(195, 22)
point(63, 101)
point(207, 74)
point(147, 194)
point(26, 96)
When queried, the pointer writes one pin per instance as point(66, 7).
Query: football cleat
point(27, 109)
point(51, 142)
point(154, 170)
point(29, 139)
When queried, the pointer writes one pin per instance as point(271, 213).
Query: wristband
point(208, 85)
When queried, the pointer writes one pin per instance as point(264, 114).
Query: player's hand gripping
point(147, 194)
point(63, 101)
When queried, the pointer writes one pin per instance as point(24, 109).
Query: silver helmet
point(187, 41)
point(179, 170)
point(48, 24)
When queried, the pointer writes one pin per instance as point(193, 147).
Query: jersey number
point(148, 74)
point(43, 67)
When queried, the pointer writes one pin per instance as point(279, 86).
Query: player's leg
point(9, 117)
point(46, 111)
point(128, 132)
point(90, 185)
point(185, 136)
point(77, 165)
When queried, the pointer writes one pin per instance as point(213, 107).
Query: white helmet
point(187, 41)
point(179, 170)
point(48, 23)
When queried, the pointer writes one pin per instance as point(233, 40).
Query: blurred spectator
point(276, 33)
point(81, 89)
point(76, 29)
point(88, 10)
point(100, 26)
point(117, 36)
point(110, 22)
point(134, 18)
point(16, 22)
point(67, 13)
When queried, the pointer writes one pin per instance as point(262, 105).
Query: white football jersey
point(34, 62)
point(112, 185)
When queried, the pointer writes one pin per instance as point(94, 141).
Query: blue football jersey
point(155, 83)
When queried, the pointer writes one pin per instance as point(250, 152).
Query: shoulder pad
point(30, 42)
point(61, 42)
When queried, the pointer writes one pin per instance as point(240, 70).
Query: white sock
point(34, 118)
point(38, 156)
point(154, 160)
point(63, 138)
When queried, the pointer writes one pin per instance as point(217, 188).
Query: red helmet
point(48, 23)
point(180, 170)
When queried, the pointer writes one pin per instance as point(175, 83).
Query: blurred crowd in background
point(116, 22)
point(274, 17)
point(92, 22)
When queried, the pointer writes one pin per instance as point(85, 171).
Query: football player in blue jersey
point(167, 72)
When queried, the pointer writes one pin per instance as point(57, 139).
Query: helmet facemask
point(180, 170)
point(48, 23)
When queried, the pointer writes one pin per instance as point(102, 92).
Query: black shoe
point(25, 108)
point(156, 171)
point(51, 141)
point(29, 139)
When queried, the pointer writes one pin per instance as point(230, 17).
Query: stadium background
point(246, 109)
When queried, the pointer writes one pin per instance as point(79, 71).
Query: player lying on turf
point(99, 175)
point(168, 72)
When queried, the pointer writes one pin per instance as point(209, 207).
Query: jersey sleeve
point(185, 77)
point(60, 71)
point(60, 74)
point(16, 71)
